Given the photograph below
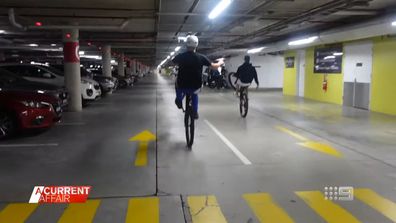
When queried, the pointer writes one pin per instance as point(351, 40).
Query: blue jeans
point(181, 92)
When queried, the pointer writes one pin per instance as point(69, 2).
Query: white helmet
point(192, 41)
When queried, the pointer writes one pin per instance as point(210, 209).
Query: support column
point(121, 70)
point(106, 60)
point(133, 66)
point(72, 69)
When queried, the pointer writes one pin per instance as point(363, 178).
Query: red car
point(27, 110)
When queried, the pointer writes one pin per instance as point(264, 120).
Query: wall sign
point(289, 62)
point(328, 60)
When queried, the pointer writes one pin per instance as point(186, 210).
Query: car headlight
point(35, 104)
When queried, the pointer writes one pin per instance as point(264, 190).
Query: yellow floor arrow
point(143, 138)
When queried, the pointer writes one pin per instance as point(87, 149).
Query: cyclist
point(245, 75)
point(189, 77)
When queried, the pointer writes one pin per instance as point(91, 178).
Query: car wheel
point(7, 125)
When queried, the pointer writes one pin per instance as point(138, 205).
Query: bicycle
point(189, 121)
point(243, 101)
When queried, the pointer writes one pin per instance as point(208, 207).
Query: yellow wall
point(383, 88)
point(313, 82)
point(290, 76)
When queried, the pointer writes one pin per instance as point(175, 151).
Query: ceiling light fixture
point(394, 23)
point(177, 48)
point(219, 8)
point(338, 54)
point(2, 31)
point(172, 53)
point(53, 44)
point(303, 41)
point(255, 50)
point(33, 45)
point(329, 57)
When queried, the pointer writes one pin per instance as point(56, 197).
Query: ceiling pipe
point(11, 16)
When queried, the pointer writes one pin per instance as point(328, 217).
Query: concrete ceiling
point(152, 26)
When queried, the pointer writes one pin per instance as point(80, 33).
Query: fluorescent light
point(303, 41)
point(172, 53)
point(2, 31)
point(394, 23)
point(81, 53)
point(167, 58)
point(33, 45)
point(32, 62)
point(91, 57)
point(177, 48)
point(255, 50)
point(219, 8)
point(338, 54)
point(53, 44)
point(329, 57)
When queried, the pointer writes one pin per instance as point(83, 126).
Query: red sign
point(70, 52)
point(60, 194)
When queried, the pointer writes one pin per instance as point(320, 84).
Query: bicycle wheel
point(231, 79)
point(243, 103)
point(189, 123)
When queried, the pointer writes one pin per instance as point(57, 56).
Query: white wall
point(269, 72)
point(358, 52)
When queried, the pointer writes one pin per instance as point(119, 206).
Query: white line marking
point(229, 144)
point(28, 145)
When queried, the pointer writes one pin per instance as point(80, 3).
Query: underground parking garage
point(297, 116)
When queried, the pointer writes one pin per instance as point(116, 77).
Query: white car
point(90, 89)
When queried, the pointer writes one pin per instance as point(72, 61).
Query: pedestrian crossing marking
point(205, 209)
point(265, 209)
point(143, 210)
point(377, 202)
point(80, 212)
point(17, 213)
point(328, 210)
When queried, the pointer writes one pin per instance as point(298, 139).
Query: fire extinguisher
point(324, 84)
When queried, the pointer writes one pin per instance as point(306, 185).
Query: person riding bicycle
point(245, 74)
point(189, 78)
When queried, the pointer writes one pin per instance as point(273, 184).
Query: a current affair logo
point(60, 194)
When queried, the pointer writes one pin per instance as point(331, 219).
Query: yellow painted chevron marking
point(205, 209)
point(80, 212)
point(265, 209)
point(320, 147)
point(17, 213)
point(290, 132)
point(328, 210)
point(143, 210)
point(377, 202)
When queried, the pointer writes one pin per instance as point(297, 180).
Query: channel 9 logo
point(343, 193)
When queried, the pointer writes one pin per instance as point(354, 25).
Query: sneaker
point(179, 104)
point(196, 116)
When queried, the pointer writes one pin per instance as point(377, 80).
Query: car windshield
point(8, 76)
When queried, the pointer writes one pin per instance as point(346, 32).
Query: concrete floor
point(211, 183)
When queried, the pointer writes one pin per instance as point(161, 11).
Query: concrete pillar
point(72, 69)
point(106, 60)
point(121, 70)
point(133, 66)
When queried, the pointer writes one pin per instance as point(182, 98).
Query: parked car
point(21, 110)
point(90, 89)
point(13, 82)
point(107, 84)
point(124, 82)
